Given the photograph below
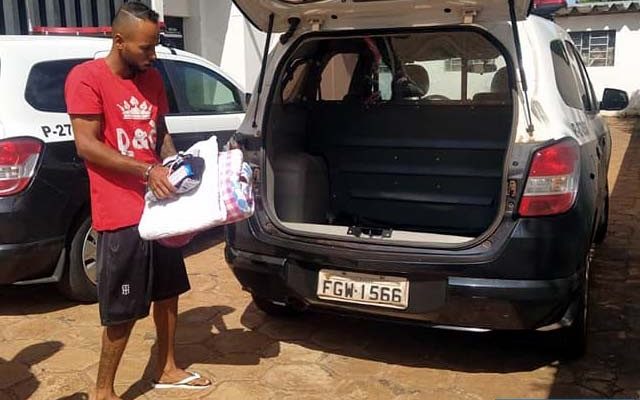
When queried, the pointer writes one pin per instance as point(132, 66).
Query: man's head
point(135, 35)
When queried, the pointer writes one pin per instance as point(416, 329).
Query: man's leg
point(114, 341)
point(165, 316)
point(123, 295)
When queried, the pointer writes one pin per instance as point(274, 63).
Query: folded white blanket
point(195, 211)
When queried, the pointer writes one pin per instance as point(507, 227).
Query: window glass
point(294, 82)
point(337, 76)
point(564, 73)
point(201, 91)
point(456, 67)
point(591, 101)
point(45, 85)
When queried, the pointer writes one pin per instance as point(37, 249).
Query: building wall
point(624, 74)
point(218, 31)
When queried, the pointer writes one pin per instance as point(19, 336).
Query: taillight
point(18, 161)
point(553, 180)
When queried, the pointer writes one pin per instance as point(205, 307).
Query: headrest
point(500, 81)
point(419, 75)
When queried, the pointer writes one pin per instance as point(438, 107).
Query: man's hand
point(159, 183)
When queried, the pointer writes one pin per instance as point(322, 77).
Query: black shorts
point(133, 272)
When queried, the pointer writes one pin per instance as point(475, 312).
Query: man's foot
point(181, 379)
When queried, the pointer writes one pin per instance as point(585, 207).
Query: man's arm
point(87, 128)
point(167, 147)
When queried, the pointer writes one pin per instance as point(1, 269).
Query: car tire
point(80, 278)
point(275, 310)
point(603, 224)
point(573, 339)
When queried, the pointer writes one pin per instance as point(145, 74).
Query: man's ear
point(119, 41)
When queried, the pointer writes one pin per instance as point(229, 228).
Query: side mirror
point(247, 98)
point(614, 100)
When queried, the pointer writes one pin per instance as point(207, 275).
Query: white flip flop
point(183, 384)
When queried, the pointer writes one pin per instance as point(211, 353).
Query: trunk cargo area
point(388, 169)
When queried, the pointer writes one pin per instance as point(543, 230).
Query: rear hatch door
point(357, 14)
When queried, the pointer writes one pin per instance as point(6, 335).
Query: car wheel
point(81, 275)
point(573, 339)
point(603, 225)
point(276, 310)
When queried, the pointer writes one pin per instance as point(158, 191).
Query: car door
point(202, 101)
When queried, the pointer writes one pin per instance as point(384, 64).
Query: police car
point(440, 162)
point(45, 224)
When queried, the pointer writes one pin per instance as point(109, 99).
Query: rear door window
point(45, 85)
point(337, 76)
point(293, 81)
point(589, 97)
point(566, 79)
point(454, 67)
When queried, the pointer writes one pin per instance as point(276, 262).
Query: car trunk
point(401, 138)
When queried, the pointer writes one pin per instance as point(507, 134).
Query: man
point(117, 107)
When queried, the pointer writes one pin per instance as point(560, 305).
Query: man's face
point(138, 46)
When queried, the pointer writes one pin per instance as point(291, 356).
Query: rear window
point(453, 67)
point(45, 85)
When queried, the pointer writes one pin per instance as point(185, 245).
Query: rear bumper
point(476, 303)
point(525, 276)
point(27, 261)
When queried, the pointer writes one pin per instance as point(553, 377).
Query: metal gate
point(20, 16)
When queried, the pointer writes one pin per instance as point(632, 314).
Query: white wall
point(624, 73)
point(242, 55)
point(217, 31)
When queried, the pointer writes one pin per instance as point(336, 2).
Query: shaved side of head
point(130, 15)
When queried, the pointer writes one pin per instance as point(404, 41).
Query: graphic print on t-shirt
point(141, 140)
point(131, 110)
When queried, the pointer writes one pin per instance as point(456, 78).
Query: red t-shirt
point(130, 110)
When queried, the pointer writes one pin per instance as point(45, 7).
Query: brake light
point(547, 8)
point(549, 3)
point(553, 180)
point(18, 161)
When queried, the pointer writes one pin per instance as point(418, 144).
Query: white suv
point(45, 233)
point(435, 161)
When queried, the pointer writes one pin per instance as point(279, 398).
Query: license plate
point(374, 290)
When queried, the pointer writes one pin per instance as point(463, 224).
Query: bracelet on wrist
point(148, 171)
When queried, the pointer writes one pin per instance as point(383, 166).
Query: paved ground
point(49, 347)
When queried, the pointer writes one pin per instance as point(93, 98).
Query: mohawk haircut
point(134, 10)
